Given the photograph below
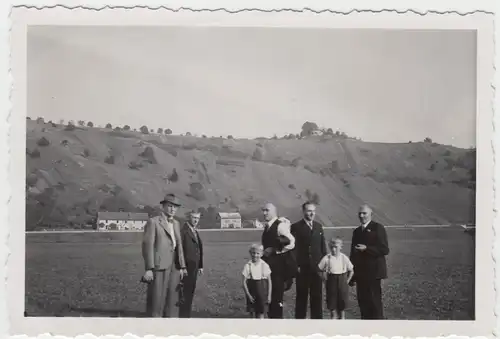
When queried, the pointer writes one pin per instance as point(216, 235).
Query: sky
point(378, 85)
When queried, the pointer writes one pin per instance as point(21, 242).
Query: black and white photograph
point(251, 172)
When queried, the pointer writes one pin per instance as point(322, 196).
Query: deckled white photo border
point(14, 270)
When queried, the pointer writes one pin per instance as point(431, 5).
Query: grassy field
point(431, 275)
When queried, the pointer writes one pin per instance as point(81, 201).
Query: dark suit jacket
point(370, 263)
point(192, 246)
point(310, 245)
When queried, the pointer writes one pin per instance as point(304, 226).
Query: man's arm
point(180, 247)
point(284, 230)
point(148, 241)
point(201, 251)
point(382, 246)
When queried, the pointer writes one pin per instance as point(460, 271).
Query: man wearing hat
point(193, 255)
point(163, 259)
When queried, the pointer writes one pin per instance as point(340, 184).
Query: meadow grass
point(431, 275)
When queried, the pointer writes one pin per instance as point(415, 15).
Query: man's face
point(309, 212)
point(194, 219)
point(269, 212)
point(170, 209)
point(364, 215)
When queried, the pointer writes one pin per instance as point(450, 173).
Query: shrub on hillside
point(188, 134)
point(149, 154)
point(40, 120)
point(43, 141)
point(86, 152)
point(447, 153)
point(296, 162)
point(173, 177)
point(429, 140)
point(312, 197)
point(258, 155)
point(144, 129)
point(110, 160)
point(291, 186)
point(117, 129)
point(31, 180)
point(310, 169)
point(196, 191)
point(53, 124)
point(135, 165)
point(204, 136)
point(70, 127)
point(230, 137)
point(33, 154)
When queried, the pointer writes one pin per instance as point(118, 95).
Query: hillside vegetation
point(74, 172)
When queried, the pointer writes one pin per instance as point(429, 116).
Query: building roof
point(122, 216)
point(229, 215)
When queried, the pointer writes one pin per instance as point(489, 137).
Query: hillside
point(86, 170)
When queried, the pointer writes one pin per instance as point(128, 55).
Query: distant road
point(248, 229)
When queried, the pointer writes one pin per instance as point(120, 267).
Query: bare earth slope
point(89, 169)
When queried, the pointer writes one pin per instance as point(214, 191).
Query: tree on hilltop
point(40, 120)
point(109, 126)
point(160, 130)
point(90, 124)
point(188, 134)
point(81, 123)
point(168, 131)
point(144, 129)
point(308, 127)
point(126, 128)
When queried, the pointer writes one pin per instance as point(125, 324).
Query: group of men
point(173, 256)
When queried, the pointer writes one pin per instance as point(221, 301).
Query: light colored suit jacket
point(157, 245)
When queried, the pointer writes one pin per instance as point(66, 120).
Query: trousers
point(309, 285)
point(163, 294)
point(369, 294)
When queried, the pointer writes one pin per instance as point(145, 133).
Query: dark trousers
point(163, 294)
point(278, 277)
point(189, 286)
point(309, 285)
point(369, 294)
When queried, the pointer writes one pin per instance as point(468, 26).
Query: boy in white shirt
point(337, 271)
point(257, 283)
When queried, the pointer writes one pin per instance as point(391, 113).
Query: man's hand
point(200, 271)
point(268, 251)
point(360, 247)
point(252, 299)
point(269, 300)
point(184, 273)
point(148, 276)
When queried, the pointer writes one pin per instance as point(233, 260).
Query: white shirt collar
point(365, 224)
point(309, 223)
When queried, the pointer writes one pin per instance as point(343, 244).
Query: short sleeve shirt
point(256, 271)
point(335, 265)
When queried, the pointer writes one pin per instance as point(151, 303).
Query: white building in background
point(121, 221)
point(229, 220)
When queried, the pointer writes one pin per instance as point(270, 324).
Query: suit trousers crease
point(369, 294)
point(309, 286)
point(189, 286)
point(162, 293)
